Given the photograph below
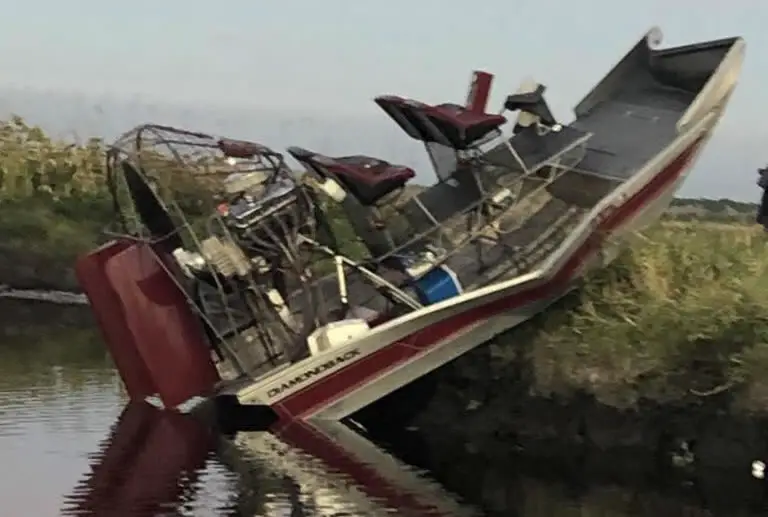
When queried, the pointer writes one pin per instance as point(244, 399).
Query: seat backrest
point(478, 92)
point(306, 158)
point(367, 178)
point(405, 113)
point(239, 148)
point(451, 125)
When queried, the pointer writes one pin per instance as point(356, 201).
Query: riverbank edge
point(710, 435)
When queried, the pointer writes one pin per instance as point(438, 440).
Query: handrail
point(483, 200)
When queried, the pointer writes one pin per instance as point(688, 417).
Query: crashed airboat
point(312, 296)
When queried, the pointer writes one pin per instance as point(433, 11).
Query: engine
point(262, 226)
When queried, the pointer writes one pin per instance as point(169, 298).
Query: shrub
point(688, 299)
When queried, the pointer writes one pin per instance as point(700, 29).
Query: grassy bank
point(682, 315)
point(53, 205)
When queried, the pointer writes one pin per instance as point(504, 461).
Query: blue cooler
point(437, 285)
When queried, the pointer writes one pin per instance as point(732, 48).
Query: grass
point(682, 314)
point(52, 204)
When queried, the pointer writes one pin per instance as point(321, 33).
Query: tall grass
point(52, 193)
point(683, 313)
point(32, 164)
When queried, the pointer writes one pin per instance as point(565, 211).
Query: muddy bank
point(663, 356)
point(43, 295)
point(685, 436)
point(43, 318)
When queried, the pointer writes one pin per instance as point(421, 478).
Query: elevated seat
point(368, 179)
point(448, 124)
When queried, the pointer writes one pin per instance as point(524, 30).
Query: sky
point(304, 72)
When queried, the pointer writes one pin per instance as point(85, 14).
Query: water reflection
point(156, 463)
point(152, 463)
point(71, 445)
point(340, 472)
point(56, 398)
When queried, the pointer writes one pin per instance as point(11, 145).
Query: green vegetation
point(682, 314)
point(52, 205)
point(722, 210)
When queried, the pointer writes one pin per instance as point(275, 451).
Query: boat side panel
point(619, 75)
point(164, 329)
point(719, 87)
point(442, 353)
point(471, 337)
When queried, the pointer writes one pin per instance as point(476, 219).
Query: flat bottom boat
point(313, 296)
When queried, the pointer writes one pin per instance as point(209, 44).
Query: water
point(71, 445)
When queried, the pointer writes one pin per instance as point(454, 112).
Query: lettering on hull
point(313, 372)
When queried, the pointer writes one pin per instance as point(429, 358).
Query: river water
point(71, 445)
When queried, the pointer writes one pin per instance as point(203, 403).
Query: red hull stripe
point(329, 389)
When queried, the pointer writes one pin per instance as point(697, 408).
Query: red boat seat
point(447, 124)
point(368, 179)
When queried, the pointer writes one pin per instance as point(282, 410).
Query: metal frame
point(167, 141)
point(556, 169)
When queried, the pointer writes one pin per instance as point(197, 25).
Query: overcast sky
point(303, 72)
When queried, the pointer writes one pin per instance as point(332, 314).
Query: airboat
point(311, 295)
